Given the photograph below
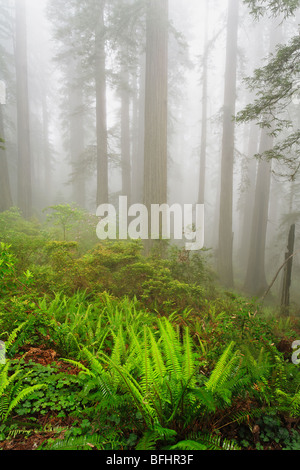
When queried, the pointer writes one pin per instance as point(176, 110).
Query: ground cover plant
point(109, 349)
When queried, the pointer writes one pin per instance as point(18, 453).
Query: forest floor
point(36, 439)
point(32, 442)
point(107, 349)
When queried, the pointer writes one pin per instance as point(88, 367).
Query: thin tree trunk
point(225, 249)
point(24, 153)
point(5, 191)
point(287, 279)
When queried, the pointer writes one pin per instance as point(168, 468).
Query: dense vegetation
point(109, 349)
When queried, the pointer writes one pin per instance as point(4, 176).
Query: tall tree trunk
point(156, 106)
point(137, 189)
point(101, 119)
point(256, 282)
point(24, 155)
point(125, 134)
point(77, 140)
point(225, 248)
point(249, 197)
point(201, 194)
point(46, 152)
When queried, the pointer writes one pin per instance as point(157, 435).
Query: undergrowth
point(108, 349)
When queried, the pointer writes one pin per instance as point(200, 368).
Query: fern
point(205, 398)
point(200, 441)
point(93, 442)
point(171, 348)
point(188, 445)
point(148, 441)
point(290, 402)
point(188, 362)
point(158, 362)
point(12, 391)
point(219, 443)
point(223, 370)
point(13, 335)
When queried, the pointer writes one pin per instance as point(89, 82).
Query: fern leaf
point(135, 391)
point(148, 441)
point(188, 445)
point(171, 348)
point(21, 396)
point(206, 398)
point(222, 369)
point(157, 356)
point(188, 365)
point(79, 443)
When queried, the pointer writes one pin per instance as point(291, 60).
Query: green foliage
point(25, 237)
point(163, 359)
point(61, 393)
point(275, 85)
point(64, 216)
point(13, 389)
point(92, 442)
point(7, 263)
point(272, 7)
point(272, 433)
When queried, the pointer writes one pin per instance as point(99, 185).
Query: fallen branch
point(276, 275)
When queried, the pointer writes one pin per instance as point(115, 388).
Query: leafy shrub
point(25, 237)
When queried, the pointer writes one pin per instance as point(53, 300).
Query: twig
point(276, 275)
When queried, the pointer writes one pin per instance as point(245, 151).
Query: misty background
point(78, 108)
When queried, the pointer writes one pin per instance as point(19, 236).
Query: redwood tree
point(24, 155)
point(226, 194)
point(156, 104)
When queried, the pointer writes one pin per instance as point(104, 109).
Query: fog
point(111, 98)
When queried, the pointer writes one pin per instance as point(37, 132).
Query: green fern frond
point(119, 348)
point(20, 397)
point(135, 390)
point(158, 362)
point(7, 380)
point(148, 441)
point(94, 442)
point(219, 443)
point(223, 369)
point(13, 335)
point(291, 402)
point(79, 366)
point(214, 442)
point(188, 445)
point(104, 380)
point(171, 348)
point(188, 361)
point(205, 397)
point(247, 415)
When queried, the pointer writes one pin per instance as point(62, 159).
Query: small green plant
point(61, 394)
point(13, 387)
point(64, 216)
